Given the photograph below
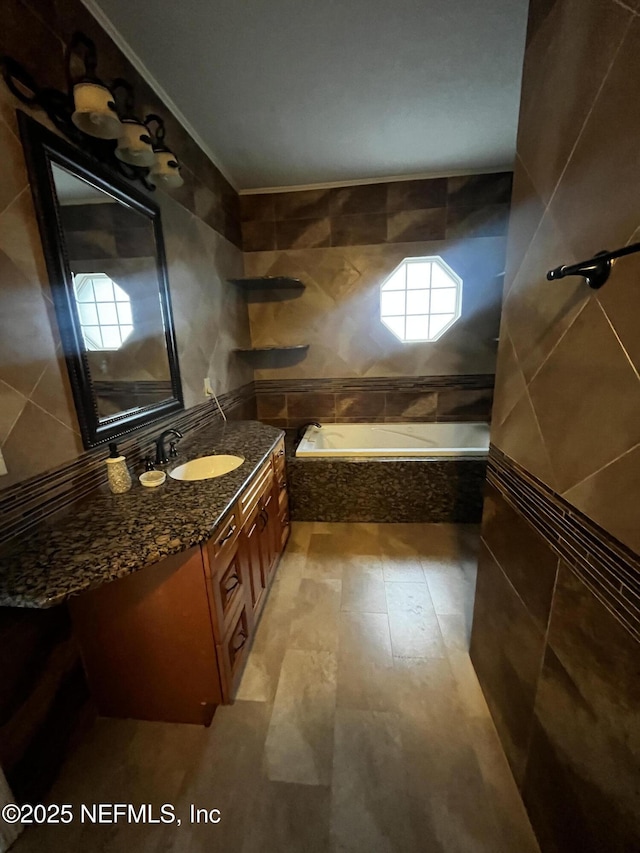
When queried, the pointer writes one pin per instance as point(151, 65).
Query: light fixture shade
point(95, 112)
point(134, 145)
point(166, 170)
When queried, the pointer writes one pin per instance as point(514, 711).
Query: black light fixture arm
point(80, 68)
point(595, 271)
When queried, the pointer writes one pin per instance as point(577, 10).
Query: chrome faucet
point(161, 453)
point(303, 429)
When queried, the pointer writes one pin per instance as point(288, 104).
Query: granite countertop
point(110, 536)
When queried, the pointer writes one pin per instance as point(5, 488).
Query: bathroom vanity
point(165, 606)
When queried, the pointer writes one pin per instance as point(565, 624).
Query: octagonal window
point(421, 299)
point(104, 309)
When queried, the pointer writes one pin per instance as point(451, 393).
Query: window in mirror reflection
point(105, 311)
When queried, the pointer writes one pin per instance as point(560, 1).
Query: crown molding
point(417, 176)
point(120, 41)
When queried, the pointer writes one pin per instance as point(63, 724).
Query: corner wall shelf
point(256, 350)
point(269, 282)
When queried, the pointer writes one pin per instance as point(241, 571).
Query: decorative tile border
point(377, 383)
point(31, 501)
point(607, 567)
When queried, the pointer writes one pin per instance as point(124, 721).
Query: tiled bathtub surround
point(290, 403)
point(556, 623)
point(386, 490)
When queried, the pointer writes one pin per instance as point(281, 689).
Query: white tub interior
point(424, 439)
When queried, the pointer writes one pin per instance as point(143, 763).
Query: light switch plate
point(3, 467)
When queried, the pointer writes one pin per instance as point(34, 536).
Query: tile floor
point(359, 724)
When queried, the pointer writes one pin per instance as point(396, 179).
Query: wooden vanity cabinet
point(147, 645)
point(169, 642)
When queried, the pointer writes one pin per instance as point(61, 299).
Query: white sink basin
point(206, 467)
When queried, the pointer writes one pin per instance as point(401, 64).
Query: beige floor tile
point(468, 686)
point(414, 627)
point(300, 534)
point(408, 597)
point(447, 797)
point(363, 589)
point(456, 631)
point(288, 818)
point(355, 532)
point(314, 620)
point(415, 636)
point(402, 569)
point(451, 589)
point(299, 742)
point(366, 677)
point(368, 794)
point(325, 559)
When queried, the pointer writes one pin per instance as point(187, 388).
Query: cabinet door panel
point(233, 650)
point(228, 586)
point(253, 562)
point(147, 643)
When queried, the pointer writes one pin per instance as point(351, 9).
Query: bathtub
point(407, 440)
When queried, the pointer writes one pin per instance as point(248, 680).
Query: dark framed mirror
point(104, 250)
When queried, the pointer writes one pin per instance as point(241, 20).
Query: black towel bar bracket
point(595, 271)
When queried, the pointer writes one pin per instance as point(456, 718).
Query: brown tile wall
point(289, 404)
point(338, 314)
point(343, 242)
point(556, 627)
point(556, 644)
point(38, 425)
point(568, 386)
point(393, 212)
point(44, 696)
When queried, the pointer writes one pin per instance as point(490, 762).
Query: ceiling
point(299, 92)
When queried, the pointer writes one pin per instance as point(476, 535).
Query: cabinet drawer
point(225, 539)
point(261, 483)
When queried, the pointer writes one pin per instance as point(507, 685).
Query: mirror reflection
point(112, 256)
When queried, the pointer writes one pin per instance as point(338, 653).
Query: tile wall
point(44, 699)
point(343, 242)
point(556, 636)
point(394, 212)
point(291, 403)
point(38, 426)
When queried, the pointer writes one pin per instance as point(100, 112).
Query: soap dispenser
point(117, 472)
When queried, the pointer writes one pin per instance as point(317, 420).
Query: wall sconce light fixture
point(595, 271)
point(166, 168)
point(95, 109)
point(135, 145)
point(98, 118)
